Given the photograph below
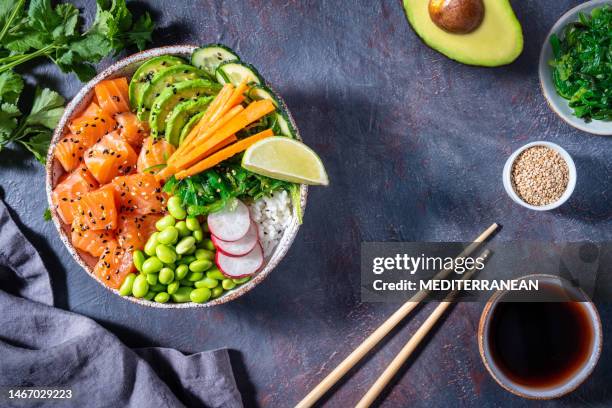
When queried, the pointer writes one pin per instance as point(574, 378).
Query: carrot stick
point(250, 114)
point(204, 135)
point(217, 104)
point(224, 154)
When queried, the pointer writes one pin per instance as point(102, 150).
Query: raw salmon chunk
point(88, 240)
point(111, 157)
point(114, 265)
point(72, 186)
point(154, 155)
point(131, 128)
point(139, 194)
point(97, 209)
point(133, 231)
point(112, 95)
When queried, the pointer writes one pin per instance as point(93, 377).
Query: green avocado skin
point(145, 73)
point(464, 54)
point(174, 94)
point(181, 114)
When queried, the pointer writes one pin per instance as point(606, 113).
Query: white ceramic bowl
point(558, 104)
point(507, 176)
point(127, 67)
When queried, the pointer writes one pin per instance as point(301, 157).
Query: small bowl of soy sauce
point(540, 344)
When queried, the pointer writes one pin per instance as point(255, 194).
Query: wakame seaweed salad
point(582, 65)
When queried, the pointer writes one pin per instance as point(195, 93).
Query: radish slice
point(230, 223)
point(240, 266)
point(238, 248)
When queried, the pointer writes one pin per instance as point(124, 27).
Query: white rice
point(272, 215)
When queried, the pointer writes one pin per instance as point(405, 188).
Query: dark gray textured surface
point(414, 145)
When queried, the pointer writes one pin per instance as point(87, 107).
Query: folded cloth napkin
point(45, 347)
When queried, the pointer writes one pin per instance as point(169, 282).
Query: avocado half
point(497, 41)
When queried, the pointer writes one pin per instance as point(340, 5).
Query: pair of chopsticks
point(374, 338)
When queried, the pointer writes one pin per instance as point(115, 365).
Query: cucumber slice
point(259, 92)
point(190, 125)
point(209, 57)
point(235, 72)
point(144, 74)
point(283, 124)
point(180, 116)
point(171, 96)
point(162, 80)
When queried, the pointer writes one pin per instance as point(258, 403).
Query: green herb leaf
point(47, 215)
point(47, 109)
point(8, 120)
point(38, 144)
point(11, 85)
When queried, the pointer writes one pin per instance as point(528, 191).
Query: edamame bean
point(176, 209)
point(166, 276)
point(172, 288)
point(164, 222)
point(185, 245)
point(215, 273)
point(200, 265)
point(193, 224)
point(186, 282)
point(200, 295)
point(198, 235)
point(195, 276)
point(149, 247)
point(138, 258)
point(183, 231)
point(152, 265)
point(168, 236)
point(140, 286)
point(206, 283)
point(151, 278)
point(228, 284)
point(216, 292)
point(204, 254)
point(182, 295)
point(126, 286)
point(162, 297)
point(186, 260)
point(240, 281)
point(191, 251)
point(181, 271)
point(158, 287)
point(208, 244)
point(149, 296)
point(165, 254)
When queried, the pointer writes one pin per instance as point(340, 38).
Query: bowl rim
point(524, 391)
point(76, 105)
point(571, 184)
point(553, 100)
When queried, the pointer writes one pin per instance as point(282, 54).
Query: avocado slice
point(145, 73)
point(162, 80)
point(190, 125)
point(180, 116)
point(497, 41)
point(174, 94)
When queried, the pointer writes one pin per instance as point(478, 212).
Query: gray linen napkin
point(43, 346)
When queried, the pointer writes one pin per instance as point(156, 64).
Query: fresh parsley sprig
point(29, 30)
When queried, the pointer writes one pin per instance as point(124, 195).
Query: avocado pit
point(457, 16)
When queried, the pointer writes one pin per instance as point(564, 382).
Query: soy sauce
point(540, 344)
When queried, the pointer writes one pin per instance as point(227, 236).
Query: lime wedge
point(285, 159)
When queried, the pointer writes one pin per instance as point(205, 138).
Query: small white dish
point(507, 176)
point(558, 104)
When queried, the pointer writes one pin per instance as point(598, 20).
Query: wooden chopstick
point(399, 360)
point(378, 334)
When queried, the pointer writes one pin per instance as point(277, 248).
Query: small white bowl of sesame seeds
point(540, 176)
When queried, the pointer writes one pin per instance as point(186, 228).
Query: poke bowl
point(103, 252)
